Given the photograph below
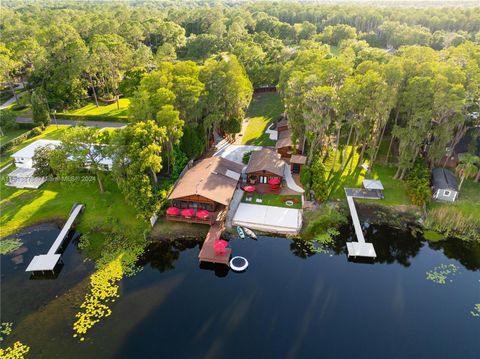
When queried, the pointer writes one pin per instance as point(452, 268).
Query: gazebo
point(373, 186)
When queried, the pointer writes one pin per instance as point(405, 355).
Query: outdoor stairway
point(47, 262)
point(360, 248)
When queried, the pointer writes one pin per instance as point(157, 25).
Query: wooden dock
point(360, 248)
point(207, 253)
point(47, 262)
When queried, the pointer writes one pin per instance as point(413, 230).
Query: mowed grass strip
point(107, 110)
point(264, 110)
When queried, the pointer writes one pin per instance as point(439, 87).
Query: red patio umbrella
point(173, 211)
point(274, 181)
point(249, 188)
point(189, 212)
point(219, 246)
point(201, 213)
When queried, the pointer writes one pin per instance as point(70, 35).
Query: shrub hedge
point(92, 118)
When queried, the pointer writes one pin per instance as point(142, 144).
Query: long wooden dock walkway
point(47, 262)
point(360, 248)
point(207, 253)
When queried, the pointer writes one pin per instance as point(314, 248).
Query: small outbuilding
point(373, 184)
point(444, 183)
point(296, 163)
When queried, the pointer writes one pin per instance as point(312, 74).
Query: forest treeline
point(349, 75)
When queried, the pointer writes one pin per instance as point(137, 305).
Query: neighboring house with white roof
point(22, 176)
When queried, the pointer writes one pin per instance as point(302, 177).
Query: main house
point(264, 165)
point(208, 186)
point(444, 183)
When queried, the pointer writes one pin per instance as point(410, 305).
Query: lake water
point(288, 304)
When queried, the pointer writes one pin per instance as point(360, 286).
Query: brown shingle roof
point(284, 139)
point(210, 178)
point(266, 160)
point(301, 160)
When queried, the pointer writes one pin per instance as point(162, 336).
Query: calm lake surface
point(288, 304)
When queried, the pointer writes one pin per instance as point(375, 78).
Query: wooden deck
point(207, 253)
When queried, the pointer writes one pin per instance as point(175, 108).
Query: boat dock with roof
point(373, 189)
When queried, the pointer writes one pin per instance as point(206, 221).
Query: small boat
point(250, 233)
point(240, 232)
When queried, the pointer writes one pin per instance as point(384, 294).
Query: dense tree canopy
point(351, 77)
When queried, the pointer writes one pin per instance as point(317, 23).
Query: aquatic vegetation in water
point(5, 329)
point(118, 260)
point(9, 245)
point(476, 311)
point(17, 351)
point(433, 236)
point(441, 273)
point(104, 289)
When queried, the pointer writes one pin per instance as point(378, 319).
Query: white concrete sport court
point(268, 218)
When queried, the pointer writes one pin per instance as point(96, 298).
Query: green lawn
point(107, 110)
point(52, 132)
point(264, 109)
point(468, 201)
point(395, 190)
point(275, 200)
point(53, 201)
point(11, 134)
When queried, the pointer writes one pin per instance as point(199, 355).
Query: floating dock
point(47, 262)
point(360, 248)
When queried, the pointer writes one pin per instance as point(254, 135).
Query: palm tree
point(467, 167)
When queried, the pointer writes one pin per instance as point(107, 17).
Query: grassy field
point(53, 201)
point(263, 110)
point(107, 110)
point(52, 132)
point(395, 190)
point(270, 199)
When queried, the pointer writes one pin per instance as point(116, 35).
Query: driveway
point(235, 152)
point(99, 124)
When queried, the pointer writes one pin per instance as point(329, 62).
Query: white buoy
point(239, 268)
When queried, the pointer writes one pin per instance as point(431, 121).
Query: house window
point(446, 193)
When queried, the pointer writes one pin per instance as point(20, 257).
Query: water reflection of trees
point(394, 245)
point(162, 255)
point(391, 245)
point(466, 252)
